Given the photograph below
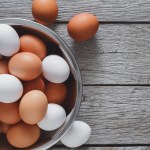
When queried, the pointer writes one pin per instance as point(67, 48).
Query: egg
point(83, 26)
point(4, 67)
point(55, 69)
point(33, 107)
point(36, 84)
point(33, 44)
point(9, 40)
point(22, 135)
point(11, 88)
point(56, 93)
point(77, 135)
point(26, 66)
point(4, 127)
point(54, 118)
point(9, 113)
point(45, 11)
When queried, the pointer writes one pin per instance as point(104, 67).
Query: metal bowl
point(58, 46)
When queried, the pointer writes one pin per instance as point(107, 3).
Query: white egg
point(77, 135)
point(9, 40)
point(55, 69)
point(54, 118)
point(11, 88)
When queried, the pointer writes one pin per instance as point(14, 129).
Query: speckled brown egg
point(26, 66)
point(83, 26)
point(45, 11)
point(4, 67)
point(33, 107)
point(31, 43)
point(22, 135)
point(36, 84)
point(56, 93)
point(9, 113)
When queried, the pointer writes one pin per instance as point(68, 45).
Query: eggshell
point(36, 84)
point(3, 67)
point(22, 135)
point(45, 11)
point(11, 88)
point(77, 135)
point(33, 107)
point(54, 118)
point(26, 66)
point(33, 44)
point(55, 69)
point(83, 26)
point(4, 127)
point(9, 40)
point(56, 93)
point(9, 113)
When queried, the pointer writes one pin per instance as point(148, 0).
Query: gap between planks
point(102, 148)
point(112, 22)
point(116, 85)
point(116, 10)
point(106, 145)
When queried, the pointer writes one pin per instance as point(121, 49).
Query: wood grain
point(117, 114)
point(106, 10)
point(118, 54)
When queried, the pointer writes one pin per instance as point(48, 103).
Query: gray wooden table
point(115, 67)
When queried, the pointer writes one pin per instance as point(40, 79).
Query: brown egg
point(4, 67)
point(83, 26)
point(4, 127)
point(22, 135)
point(36, 84)
point(31, 43)
point(33, 107)
point(9, 113)
point(45, 11)
point(26, 66)
point(56, 93)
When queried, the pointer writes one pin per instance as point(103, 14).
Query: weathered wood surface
point(106, 10)
point(104, 148)
point(117, 114)
point(118, 54)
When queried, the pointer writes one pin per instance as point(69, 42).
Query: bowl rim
point(67, 50)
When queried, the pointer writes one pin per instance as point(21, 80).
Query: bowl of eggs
point(40, 86)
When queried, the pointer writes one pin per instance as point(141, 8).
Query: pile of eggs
point(32, 88)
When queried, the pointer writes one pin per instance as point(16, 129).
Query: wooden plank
point(118, 54)
point(103, 148)
point(117, 114)
point(110, 10)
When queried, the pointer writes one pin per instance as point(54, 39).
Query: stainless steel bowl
point(72, 105)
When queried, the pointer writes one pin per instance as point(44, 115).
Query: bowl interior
point(71, 104)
